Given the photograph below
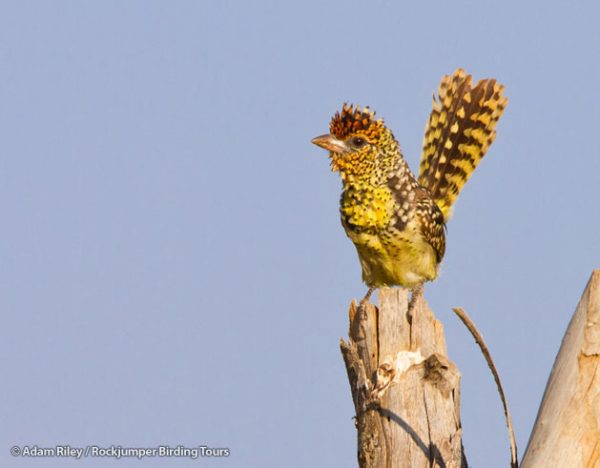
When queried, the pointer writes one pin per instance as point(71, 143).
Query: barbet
point(397, 221)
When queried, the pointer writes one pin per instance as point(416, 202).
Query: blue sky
point(172, 266)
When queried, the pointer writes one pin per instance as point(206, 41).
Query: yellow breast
point(369, 209)
point(388, 256)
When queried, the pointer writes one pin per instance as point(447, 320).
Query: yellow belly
point(404, 259)
point(388, 257)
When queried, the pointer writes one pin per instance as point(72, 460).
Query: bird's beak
point(331, 143)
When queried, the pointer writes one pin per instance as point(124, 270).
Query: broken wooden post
point(406, 391)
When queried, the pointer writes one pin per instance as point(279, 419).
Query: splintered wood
point(406, 391)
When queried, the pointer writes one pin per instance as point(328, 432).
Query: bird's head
point(360, 146)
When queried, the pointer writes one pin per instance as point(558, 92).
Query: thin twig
point(462, 315)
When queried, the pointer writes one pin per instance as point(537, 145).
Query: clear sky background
point(172, 266)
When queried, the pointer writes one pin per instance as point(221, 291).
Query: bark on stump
point(406, 391)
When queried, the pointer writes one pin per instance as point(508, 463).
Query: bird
point(396, 220)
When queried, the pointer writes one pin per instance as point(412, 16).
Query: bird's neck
point(380, 172)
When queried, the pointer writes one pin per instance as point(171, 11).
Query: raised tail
point(460, 129)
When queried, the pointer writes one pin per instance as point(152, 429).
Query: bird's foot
point(417, 292)
point(365, 300)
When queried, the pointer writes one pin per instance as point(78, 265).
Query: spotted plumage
point(460, 129)
point(395, 220)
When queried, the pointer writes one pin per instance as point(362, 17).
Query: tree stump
point(567, 429)
point(406, 391)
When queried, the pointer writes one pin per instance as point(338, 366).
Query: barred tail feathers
point(460, 129)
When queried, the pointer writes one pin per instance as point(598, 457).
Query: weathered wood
point(406, 392)
point(567, 429)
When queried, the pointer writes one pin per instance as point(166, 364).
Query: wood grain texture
point(406, 391)
point(567, 429)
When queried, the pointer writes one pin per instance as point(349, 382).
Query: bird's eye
point(357, 142)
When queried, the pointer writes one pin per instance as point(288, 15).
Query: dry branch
point(466, 320)
point(406, 391)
